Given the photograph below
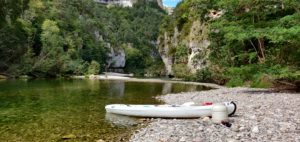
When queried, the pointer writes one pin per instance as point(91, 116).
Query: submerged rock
point(69, 136)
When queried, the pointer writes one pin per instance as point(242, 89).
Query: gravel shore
point(261, 116)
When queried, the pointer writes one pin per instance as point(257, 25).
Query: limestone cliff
point(116, 57)
point(196, 41)
point(125, 3)
point(184, 40)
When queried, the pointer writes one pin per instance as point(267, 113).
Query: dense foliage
point(252, 42)
point(257, 41)
point(61, 37)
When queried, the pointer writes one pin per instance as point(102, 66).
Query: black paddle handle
point(234, 108)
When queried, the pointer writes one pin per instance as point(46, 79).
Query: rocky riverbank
point(262, 115)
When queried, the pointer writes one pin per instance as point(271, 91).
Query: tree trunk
point(261, 46)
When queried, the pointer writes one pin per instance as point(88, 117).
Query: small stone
point(237, 138)
point(182, 139)
point(255, 129)
point(284, 129)
point(200, 129)
point(253, 117)
point(240, 135)
point(235, 128)
point(257, 107)
point(206, 119)
point(242, 128)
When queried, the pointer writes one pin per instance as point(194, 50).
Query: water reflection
point(117, 88)
point(167, 88)
point(46, 110)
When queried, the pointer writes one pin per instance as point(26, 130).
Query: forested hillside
point(253, 43)
point(250, 42)
point(44, 38)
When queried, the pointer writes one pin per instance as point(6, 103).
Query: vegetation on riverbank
point(44, 38)
point(255, 43)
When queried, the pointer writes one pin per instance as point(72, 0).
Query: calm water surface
point(72, 110)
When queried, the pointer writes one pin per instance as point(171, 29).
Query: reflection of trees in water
point(177, 88)
point(117, 88)
point(192, 88)
point(93, 85)
point(167, 88)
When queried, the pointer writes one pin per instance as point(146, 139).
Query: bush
point(134, 61)
point(262, 81)
point(203, 75)
point(260, 75)
point(181, 71)
point(94, 68)
point(76, 67)
point(155, 70)
point(235, 81)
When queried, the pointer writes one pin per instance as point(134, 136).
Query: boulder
point(3, 77)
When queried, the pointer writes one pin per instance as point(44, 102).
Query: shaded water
point(51, 110)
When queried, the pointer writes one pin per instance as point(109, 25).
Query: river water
point(73, 110)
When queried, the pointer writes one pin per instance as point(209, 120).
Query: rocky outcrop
point(198, 45)
point(196, 41)
point(116, 57)
point(160, 3)
point(166, 43)
point(124, 3)
point(169, 10)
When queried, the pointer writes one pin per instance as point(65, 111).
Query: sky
point(170, 3)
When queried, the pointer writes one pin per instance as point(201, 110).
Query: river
point(73, 110)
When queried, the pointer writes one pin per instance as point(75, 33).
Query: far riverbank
point(152, 80)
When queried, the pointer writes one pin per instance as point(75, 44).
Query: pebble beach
point(261, 115)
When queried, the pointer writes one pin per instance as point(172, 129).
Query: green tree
point(52, 54)
point(94, 68)
point(256, 32)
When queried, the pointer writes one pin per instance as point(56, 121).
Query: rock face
point(116, 58)
point(166, 43)
point(198, 45)
point(169, 10)
point(160, 3)
point(196, 41)
point(124, 3)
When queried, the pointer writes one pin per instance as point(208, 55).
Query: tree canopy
point(255, 39)
point(60, 37)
